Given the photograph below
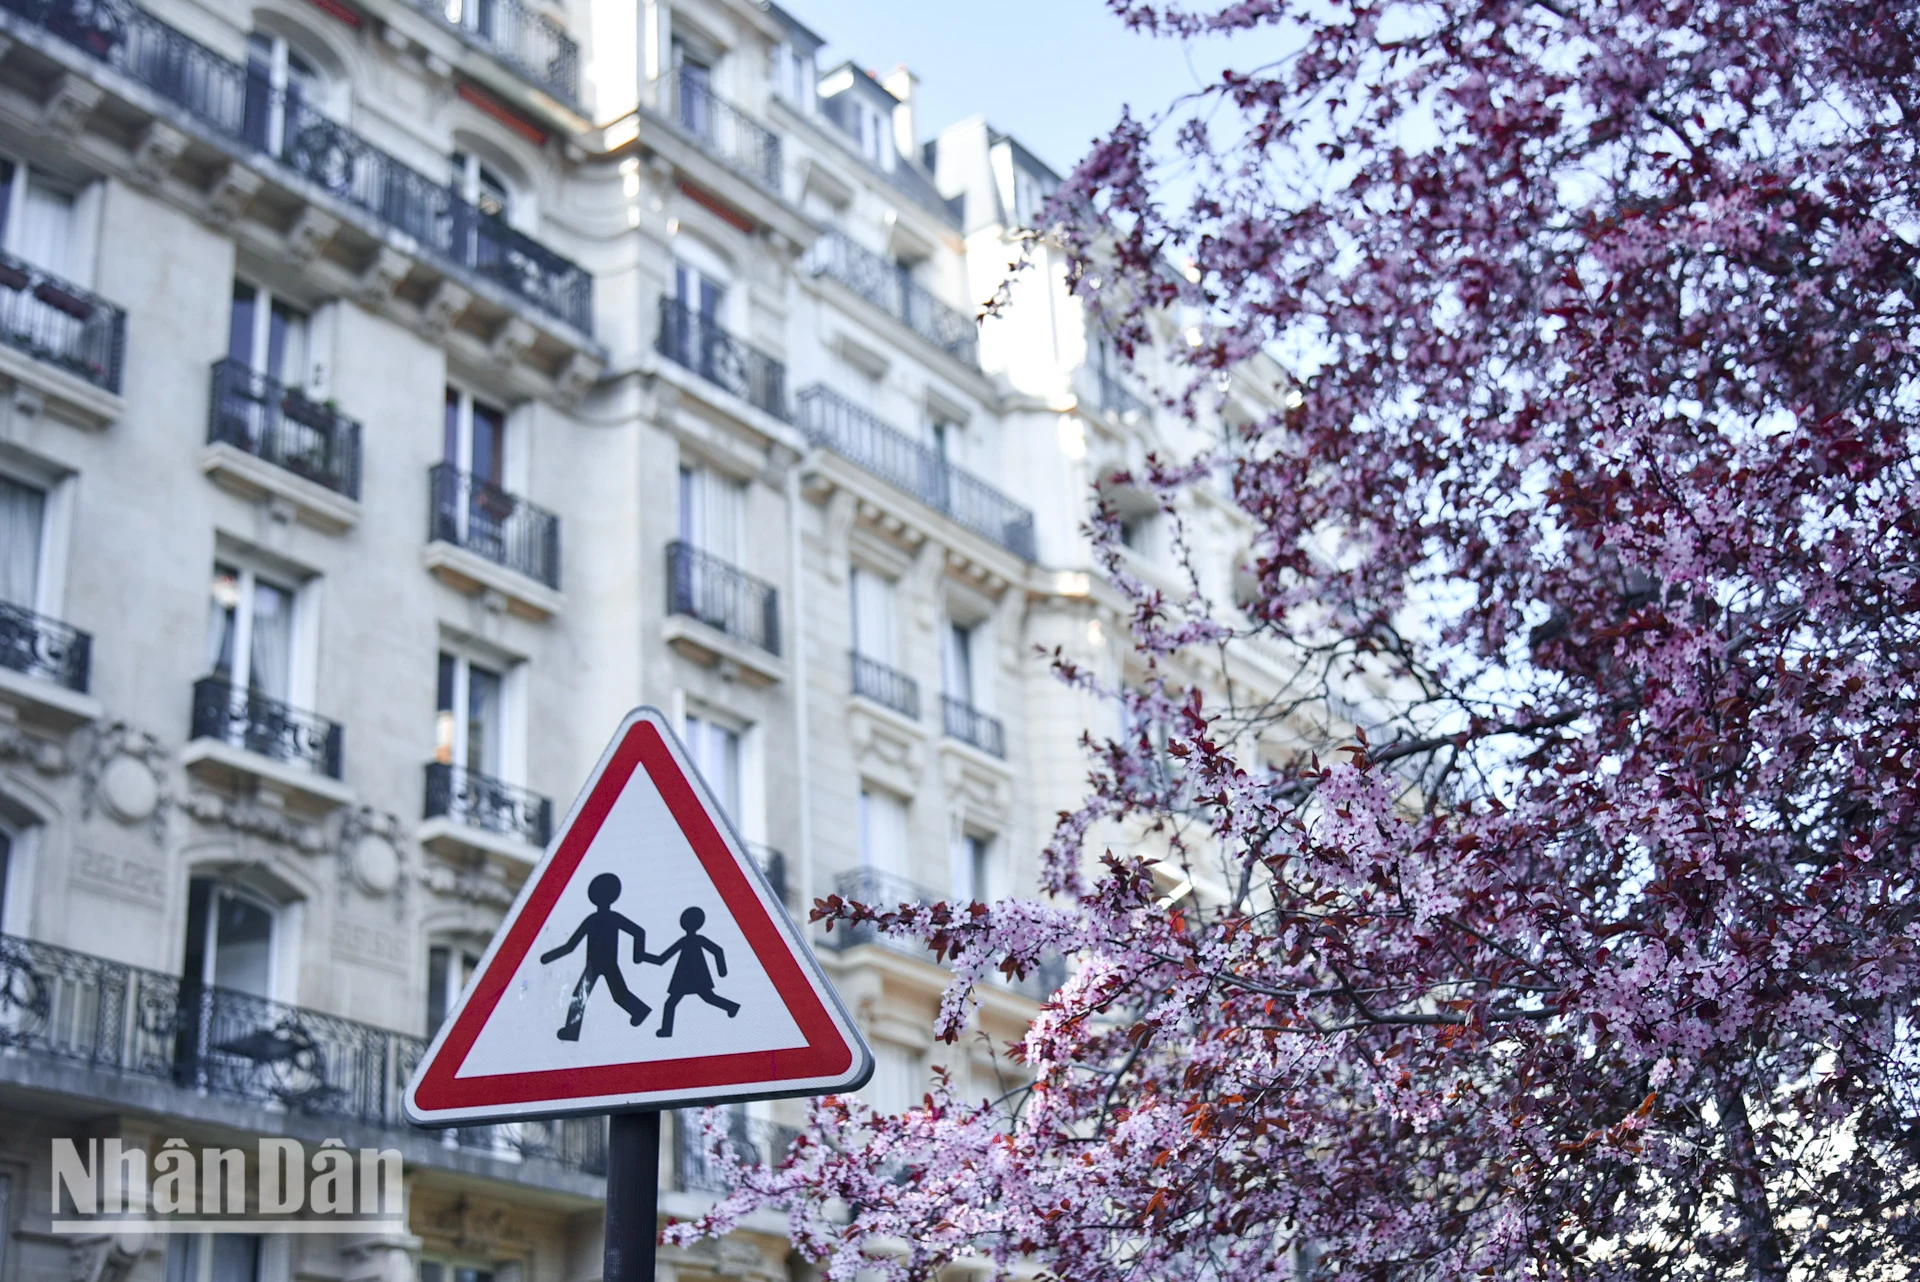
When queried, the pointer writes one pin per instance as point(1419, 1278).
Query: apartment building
point(397, 391)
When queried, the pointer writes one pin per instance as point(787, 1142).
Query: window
point(896, 1082)
point(213, 1257)
point(454, 1271)
point(975, 876)
point(38, 221)
point(873, 131)
point(267, 335)
point(793, 76)
point(957, 663)
point(713, 513)
point(481, 186)
point(250, 632)
point(469, 718)
point(476, 437)
point(695, 91)
point(6, 871)
point(873, 626)
point(883, 832)
point(1029, 197)
point(229, 939)
point(449, 967)
point(699, 292)
point(22, 514)
point(715, 750)
point(478, 16)
point(284, 89)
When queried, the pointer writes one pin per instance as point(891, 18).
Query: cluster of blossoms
point(1596, 951)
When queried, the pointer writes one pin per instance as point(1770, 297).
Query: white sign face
point(645, 964)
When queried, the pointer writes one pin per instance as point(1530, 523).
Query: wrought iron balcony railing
point(722, 596)
point(730, 134)
point(44, 649)
point(887, 285)
point(58, 322)
point(246, 719)
point(774, 864)
point(875, 889)
point(526, 41)
point(488, 804)
point(696, 342)
point(888, 687)
point(1116, 399)
point(237, 103)
point(756, 1142)
point(491, 522)
point(968, 724)
point(279, 425)
point(77, 1009)
point(831, 420)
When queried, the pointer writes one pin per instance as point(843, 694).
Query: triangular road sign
point(646, 964)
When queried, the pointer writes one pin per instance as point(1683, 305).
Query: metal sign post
point(633, 1196)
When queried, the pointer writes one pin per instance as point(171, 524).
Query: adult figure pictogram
point(691, 978)
point(601, 930)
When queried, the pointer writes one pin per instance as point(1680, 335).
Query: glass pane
point(22, 508)
point(483, 721)
point(431, 1271)
point(443, 711)
point(236, 1257)
point(450, 440)
point(222, 610)
point(287, 345)
point(6, 195)
point(270, 657)
point(6, 858)
point(437, 959)
point(489, 443)
point(240, 323)
point(242, 953)
point(183, 1257)
point(46, 227)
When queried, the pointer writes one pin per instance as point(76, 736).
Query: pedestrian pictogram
point(560, 1016)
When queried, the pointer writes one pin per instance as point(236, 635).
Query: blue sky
point(1054, 73)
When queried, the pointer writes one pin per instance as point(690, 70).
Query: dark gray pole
point(633, 1196)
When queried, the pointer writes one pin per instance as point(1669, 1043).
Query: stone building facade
point(393, 393)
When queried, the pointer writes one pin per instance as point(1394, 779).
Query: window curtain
point(873, 630)
point(883, 833)
point(270, 657)
point(713, 513)
point(46, 228)
point(22, 508)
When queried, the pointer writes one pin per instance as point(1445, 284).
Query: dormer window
point(793, 76)
point(874, 132)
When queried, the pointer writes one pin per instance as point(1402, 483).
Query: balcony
point(720, 614)
point(886, 686)
point(695, 342)
point(526, 41)
point(44, 666)
point(475, 530)
point(888, 286)
point(242, 736)
point(222, 98)
point(725, 132)
point(774, 864)
point(876, 889)
point(756, 1142)
point(1115, 399)
point(61, 324)
point(831, 420)
point(262, 434)
point(969, 725)
point(479, 810)
point(79, 1012)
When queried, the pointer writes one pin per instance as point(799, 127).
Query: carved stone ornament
point(474, 886)
point(45, 756)
point(370, 854)
point(375, 864)
point(257, 820)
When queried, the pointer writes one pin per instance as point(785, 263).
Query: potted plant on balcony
point(62, 300)
point(14, 276)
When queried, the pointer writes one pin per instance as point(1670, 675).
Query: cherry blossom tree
point(1592, 951)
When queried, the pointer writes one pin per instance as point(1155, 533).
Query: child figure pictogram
point(691, 978)
point(601, 930)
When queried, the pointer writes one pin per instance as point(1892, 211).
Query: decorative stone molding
point(443, 307)
point(159, 146)
point(511, 341)
point(369, 848)
point(978, 792)
point(841, 509)
point(232, 191)
point(109, 1258)
point(886, 751)
point(310, 235)
point(43, 755)
point(576, 378)
point(476, 886)
point(256, 820)
point(66, 109)
point(125, 774)
point(382, 277)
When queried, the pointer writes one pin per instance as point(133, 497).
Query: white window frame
point(198, 1250)
point(87, 201)
point(512, 768)
point(751, 821)
point(302, 635)
point(513, 464)
point(324, 94)
point(275, 938)
point(889, 591)
point(58, 490)
point(306, 379)
point(17, 877)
